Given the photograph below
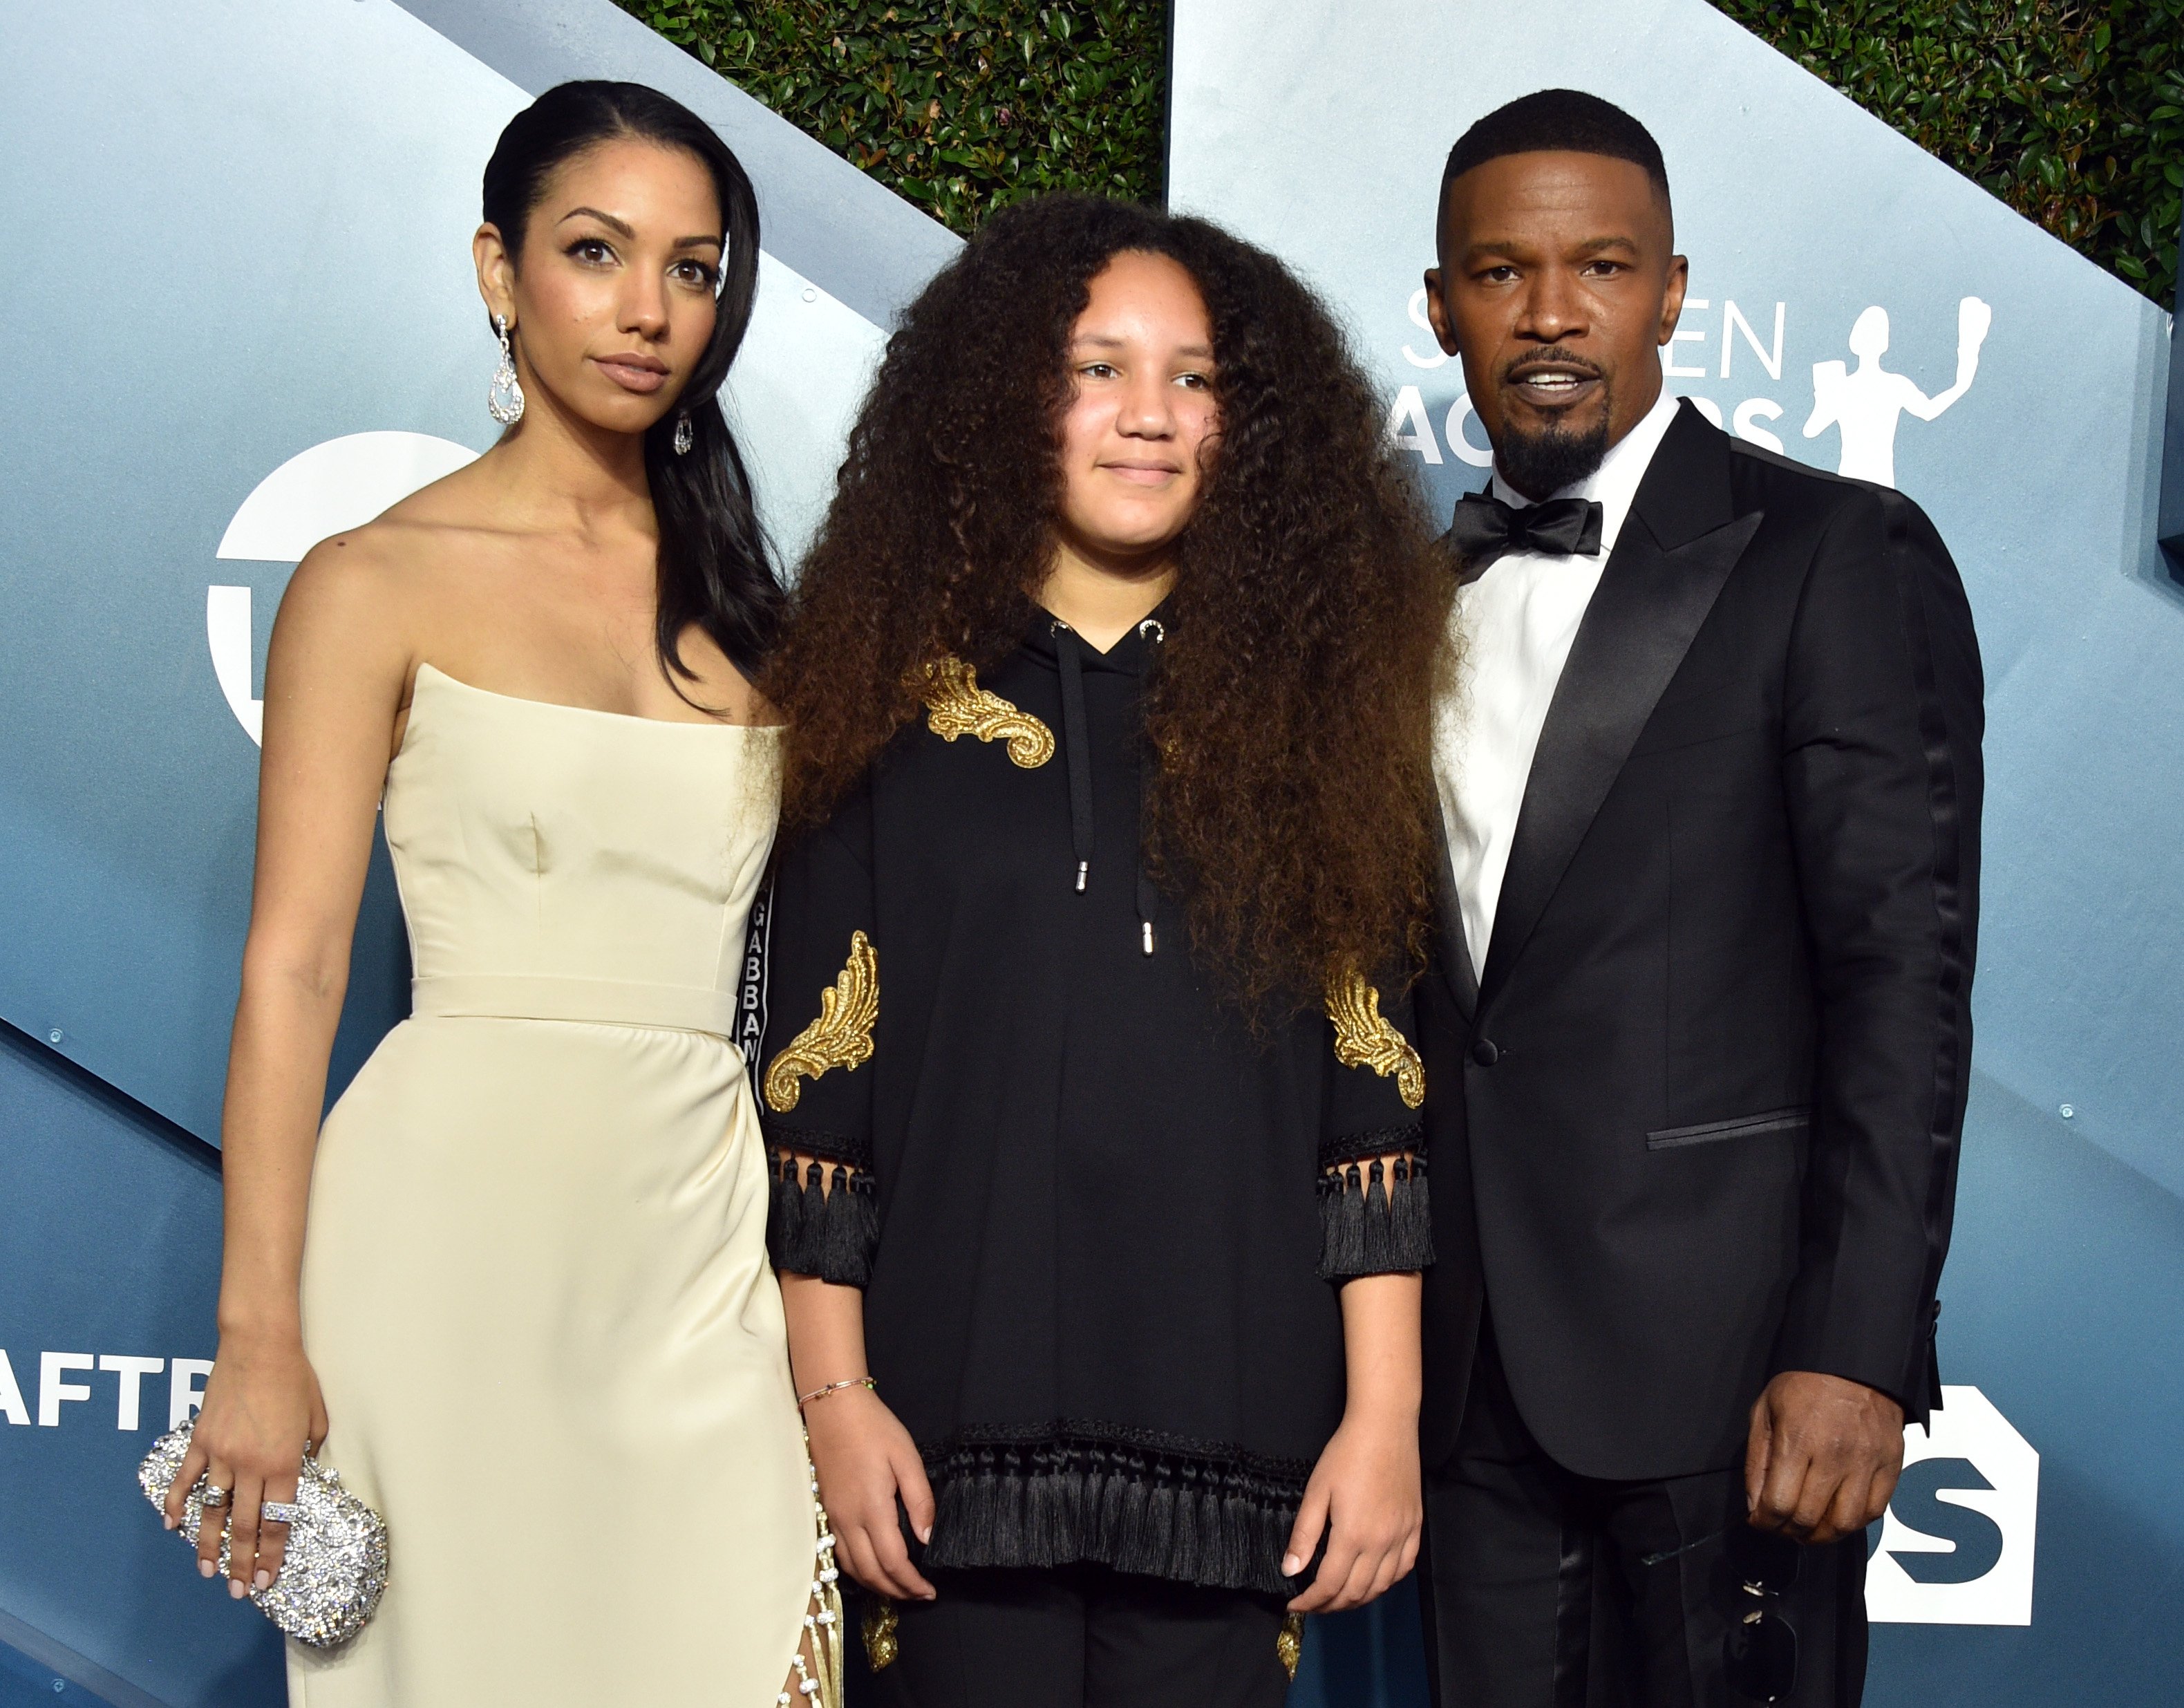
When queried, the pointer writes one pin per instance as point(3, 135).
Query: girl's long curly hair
point(1292, 804)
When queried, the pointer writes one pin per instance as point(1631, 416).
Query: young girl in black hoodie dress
point(1100, 1197)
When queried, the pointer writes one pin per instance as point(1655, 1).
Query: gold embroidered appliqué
point(842, 1036)
point(1289, 1645)
point(882, 1645)
point(956, 706)
point(1363, 1039)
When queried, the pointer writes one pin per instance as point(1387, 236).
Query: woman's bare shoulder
point(391, 566)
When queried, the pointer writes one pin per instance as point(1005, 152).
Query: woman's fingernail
point(206, 1568)
point(926, 1534)
point(263, 1581)
point(1291, 1565)
point(168, 1522)
point(236, 1589)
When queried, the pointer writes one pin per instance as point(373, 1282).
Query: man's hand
point(1824, 1456)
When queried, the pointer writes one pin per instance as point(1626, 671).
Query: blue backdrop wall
point(241, 285)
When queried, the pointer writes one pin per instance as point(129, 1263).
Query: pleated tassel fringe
point(828, 1228)
point(1164, 1515)
point(1372, 1224)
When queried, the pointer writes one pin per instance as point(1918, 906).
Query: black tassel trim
point(1355, 1147)
point(839, 1148)
point(1411, 1217)
point(1067, 1499)
point(821, 1226)
point(1374, 1218)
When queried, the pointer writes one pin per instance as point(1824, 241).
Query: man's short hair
point(1559, 121)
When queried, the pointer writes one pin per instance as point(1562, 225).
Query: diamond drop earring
point(504, 397)
point(684, 435)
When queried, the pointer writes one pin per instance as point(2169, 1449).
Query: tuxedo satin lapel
point(1641, 622)
point(1451, 947)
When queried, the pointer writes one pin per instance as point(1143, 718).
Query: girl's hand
point(866, 1460)
point(1367, 1483)
point(262, 1414)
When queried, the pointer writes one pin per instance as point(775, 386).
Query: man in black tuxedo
point(1698, 1037)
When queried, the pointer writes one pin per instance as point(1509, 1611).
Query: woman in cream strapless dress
point(536, 1271)
point(515, 1287)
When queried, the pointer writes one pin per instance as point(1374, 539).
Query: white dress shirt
point(1515, 623)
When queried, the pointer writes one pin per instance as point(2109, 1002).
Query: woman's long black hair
point(715, 569)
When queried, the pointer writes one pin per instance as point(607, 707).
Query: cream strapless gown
point(535, 1283)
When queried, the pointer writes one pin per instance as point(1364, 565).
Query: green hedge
point(959, 105)
point(2072, 111)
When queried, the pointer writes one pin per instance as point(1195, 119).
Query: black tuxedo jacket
point(1696, 1122)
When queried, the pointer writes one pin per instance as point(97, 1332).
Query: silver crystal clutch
point(335, 1569)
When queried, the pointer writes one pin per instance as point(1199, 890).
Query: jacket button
point(1484, 1053)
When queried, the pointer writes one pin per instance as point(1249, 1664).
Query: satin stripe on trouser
point(1544, 1589)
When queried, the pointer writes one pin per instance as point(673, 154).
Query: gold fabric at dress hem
point(1364, 1038)
point(1289, 1644)
point(823, 1621)
point(842, 1036)
point(956, 706)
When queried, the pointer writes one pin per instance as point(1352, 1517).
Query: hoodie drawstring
point(1077, 748)
point(1152, 634)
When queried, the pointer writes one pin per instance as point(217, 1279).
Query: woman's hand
point(1367, 1485)
point(262, 1414)
point(865, 1459)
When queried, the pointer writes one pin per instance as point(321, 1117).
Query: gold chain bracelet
point(804, 1399)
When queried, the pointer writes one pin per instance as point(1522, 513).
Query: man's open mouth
point(1551, 387)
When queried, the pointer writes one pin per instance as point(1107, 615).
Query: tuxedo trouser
point(1082, 1636)
point(1545, 1589)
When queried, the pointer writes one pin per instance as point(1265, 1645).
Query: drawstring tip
point(1148, 925)
point(1083, 867)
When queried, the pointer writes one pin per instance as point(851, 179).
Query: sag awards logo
point(1955, 1546)
point(1865, 403)
point(342, 483)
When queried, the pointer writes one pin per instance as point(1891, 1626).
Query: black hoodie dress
point(1100, 1226)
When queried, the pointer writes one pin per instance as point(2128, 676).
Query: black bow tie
point(1484, 528)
